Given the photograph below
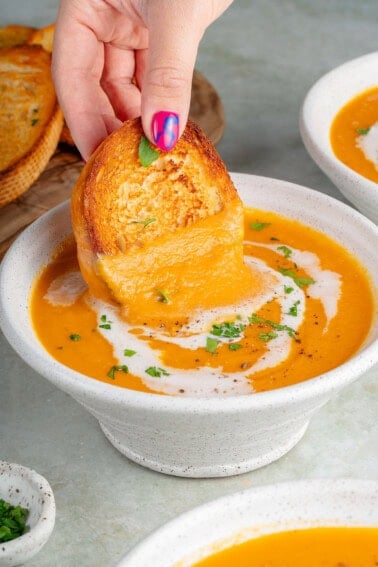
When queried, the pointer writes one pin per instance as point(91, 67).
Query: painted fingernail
point(165, 129)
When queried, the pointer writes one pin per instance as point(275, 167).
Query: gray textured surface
point(262, 57)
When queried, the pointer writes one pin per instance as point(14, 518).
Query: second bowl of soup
point(339, 128)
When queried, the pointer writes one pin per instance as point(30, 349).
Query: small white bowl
point(255, 512)
point(21, 486)
point(323, 101)
point(194, 437)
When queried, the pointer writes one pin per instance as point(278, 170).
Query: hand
point(118, 59)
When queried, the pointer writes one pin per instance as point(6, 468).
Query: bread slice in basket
point(30, 119)
point(163, 239)
point(14, 35)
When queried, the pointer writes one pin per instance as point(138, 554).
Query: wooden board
point(56, 182)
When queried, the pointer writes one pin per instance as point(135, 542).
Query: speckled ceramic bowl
point(327, 96)
point(192, 436)
point(21, 486)
point(249, 514)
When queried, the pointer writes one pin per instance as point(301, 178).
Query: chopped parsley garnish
point(106, 324)
point(362, 131)
point(163, 296)
point(294, 309)
point(211, 345)
point(235, 346)
point(268, 336)
point(75, 337)
point(277, 326)
point(288, 289)
point(147, 154)
point(257, 225)
point(228, 330)
point(298, 280)
point(128, 352)
point(116, 368)
point(12, 521)
point(285, 251)
point(156, 372)
point(34, 121)
point(144, 222)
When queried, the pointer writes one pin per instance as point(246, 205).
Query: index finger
point(76, 74)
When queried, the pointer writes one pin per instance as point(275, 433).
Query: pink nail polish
point(165, 129)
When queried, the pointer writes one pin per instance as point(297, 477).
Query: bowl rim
point(237, 501)
point(41, 531)
point(73, 381)
point(321, 145)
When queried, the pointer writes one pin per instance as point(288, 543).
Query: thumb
point(166, 89)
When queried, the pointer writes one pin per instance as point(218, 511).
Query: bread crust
point(127, 205)
point(14, 35)
point(43, 36)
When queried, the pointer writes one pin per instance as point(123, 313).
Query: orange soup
point(316, 547)
point(354, 134)
point(310, 309)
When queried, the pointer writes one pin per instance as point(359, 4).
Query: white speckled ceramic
point(245, 515)
point(190, 436)
point(21, 486)
point(327, 96)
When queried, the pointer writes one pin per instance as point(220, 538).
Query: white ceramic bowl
point(21, 486)
point(323, 101)
point(185, 436)
point(245, 515)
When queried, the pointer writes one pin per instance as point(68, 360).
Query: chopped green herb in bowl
point(12, 521)
point(27, 513)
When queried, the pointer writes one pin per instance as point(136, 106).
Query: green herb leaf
point(147, 154)
point(285, 251)
point(156, 372)
point(362, 131)
point(228, 330)
point(289, 330)
point(299, 281)
point(288, 289)
point(211, 345)
point(294, 309)
point(128, 352)
point(144, 222)
point(163, 296)
point(235, 346)
point(34, 121)
point(116, 368)
point(75, 337)
point(257, 225)
point(106, 322)
point(268, 336)
point(12, 521)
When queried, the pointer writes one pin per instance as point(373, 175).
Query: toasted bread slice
point(14, 35)
point(44, 37)
point(178, 189)
point(161, 240)
point(30, 120)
